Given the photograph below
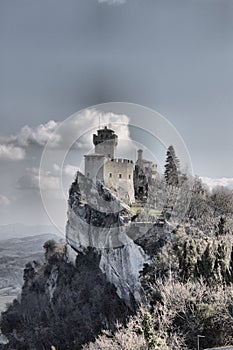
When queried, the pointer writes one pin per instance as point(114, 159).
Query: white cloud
point(59, 134)
point(112, 2)
point(39, 135)
point(34, 180)
point(224, 181)
point(4, 201)
point(11, 152)
point(80, 127)
point(70, 170)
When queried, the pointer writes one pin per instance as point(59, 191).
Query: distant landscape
point(14, 254)
point(19, 230)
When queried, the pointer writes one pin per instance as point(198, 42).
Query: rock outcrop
point(98, 219)
point(63, 304)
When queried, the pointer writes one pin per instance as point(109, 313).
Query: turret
point(140, 155)
point(105, 142)
point(140, 159)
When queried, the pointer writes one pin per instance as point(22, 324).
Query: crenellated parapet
point(122, 160)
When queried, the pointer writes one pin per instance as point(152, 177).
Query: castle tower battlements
point(102, 165)
point(126, 179)
point(105, 142)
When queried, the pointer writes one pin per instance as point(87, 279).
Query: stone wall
point(107, 148)
point(94, 167)
point(118, 174)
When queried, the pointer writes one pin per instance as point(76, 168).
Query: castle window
point(110, 174)
point(120, 176)
point(129, 176)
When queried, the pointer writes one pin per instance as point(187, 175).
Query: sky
point(57, 57)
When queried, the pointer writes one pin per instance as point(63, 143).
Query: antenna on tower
point(99, 121)
point(109, 120)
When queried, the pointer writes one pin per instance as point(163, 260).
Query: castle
point(127, 180)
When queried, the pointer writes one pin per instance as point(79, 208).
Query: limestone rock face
point(122, 266)
point(98, 219)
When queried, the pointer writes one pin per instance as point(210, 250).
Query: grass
point(152, 212)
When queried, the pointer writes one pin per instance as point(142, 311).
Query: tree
point(231, 267)
point(222, 201)
point(221, 264)
point(148, 330)
point(221, 230)
point(189, 260)
point(171, 168)
point(49, 247)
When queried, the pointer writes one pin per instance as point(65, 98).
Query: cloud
point(38, 179)
point(39, 135)
point(70, 170)
point(112, 2)
point(81, 127)
point(59, 134)
point(4, 201)
point(224, 181)
point(11, 152)
point(34, 180)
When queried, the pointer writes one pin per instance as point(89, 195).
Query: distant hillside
point(21, 230)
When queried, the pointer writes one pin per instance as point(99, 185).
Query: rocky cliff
point(98, 219)
point(62, 304)
point(87, 285)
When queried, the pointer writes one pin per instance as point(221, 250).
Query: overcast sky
point(58, 56)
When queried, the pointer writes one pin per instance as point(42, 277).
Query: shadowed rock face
point(63, 304)
point(98, 219)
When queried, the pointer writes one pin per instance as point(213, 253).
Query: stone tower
point(102, 165)
point(140, 157)
point(105, 142)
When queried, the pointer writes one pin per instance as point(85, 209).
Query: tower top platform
point(104, 135)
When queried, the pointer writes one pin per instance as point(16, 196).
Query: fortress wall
point(118, 174)
point(108, 148)
point(94, 167)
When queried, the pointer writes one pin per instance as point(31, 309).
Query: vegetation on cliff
point(187, 290)
point(61, 304)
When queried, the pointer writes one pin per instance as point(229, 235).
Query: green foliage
point(49, 247)
point(171, 168)
point(190, 308)
point(63, 305)
point(187, 289)
point(194, 295)
point(148, 330)
point(221, 201)
point(221, 227)
point(125, 338)
point(154, 341)
point(188, 259)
